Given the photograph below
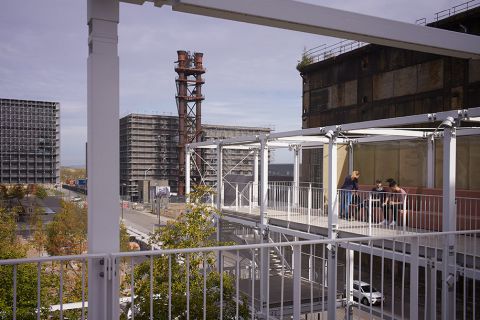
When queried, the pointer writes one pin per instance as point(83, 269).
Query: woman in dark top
point(349, 186)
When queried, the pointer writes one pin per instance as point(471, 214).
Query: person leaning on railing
point(396, 200)
point(350, 185)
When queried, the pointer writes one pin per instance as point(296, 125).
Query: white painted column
point(332, 225)
point(430, 162)
point(350, 157)
point(188, 153)
point(449, 221)
point(414, 274)
point(296, 175)
point(349, 258)
point(219, 176)
point(219, 198)
point(255, 177)
point(263, 181)
point(264, 252)
point(297, 282)
point(103, 155)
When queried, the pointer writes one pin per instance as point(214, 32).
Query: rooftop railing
point(404, 276)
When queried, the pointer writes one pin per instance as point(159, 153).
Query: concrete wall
point(377, 82)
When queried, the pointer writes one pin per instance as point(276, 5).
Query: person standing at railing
point(350, 185)
point(396, 200)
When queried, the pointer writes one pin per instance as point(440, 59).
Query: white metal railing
point(412, 275)
point(366, 212)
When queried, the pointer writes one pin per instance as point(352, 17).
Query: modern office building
point(29, 141)
point(148, 152)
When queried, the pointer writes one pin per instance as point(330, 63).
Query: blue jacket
point(350, 184)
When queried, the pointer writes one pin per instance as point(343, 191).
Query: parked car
point(76, 199)
point(361, 292)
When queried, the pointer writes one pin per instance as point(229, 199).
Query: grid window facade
point(29, 141)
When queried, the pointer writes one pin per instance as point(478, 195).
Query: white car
point(76, 199)
point(361, 292)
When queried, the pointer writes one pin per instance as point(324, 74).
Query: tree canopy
point(193, 229)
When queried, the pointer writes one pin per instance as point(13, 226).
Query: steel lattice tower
point(189, 68)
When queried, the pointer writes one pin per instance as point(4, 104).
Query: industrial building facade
point(235, 162)
point(29, 141)
point(149, 152)
point(376, 82)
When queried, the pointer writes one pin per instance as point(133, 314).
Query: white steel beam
point(312, 18)
point(388, 132)
point(103, 154)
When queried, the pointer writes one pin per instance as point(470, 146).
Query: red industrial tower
point(189, 105)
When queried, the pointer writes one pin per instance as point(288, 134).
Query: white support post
point(449, 221)
point(430, 291)
point(296, 175)
point(309, 204)
point(431, 162)
point(187, 173)
point(414, 265)
point(297, 295)
point(219, 177)
point(332, 226)
point(264, 252)
point(370, 212)
point(236, 196)
point(289, 202)
point(350, 157)
point(349, 255)
point(255, 177)
point(263, 181)
point(103, 156)
point(250, 198)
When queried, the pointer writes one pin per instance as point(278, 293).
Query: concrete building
point(370, 82)
point(148, 151)
point(235, 162)
point(29, 141)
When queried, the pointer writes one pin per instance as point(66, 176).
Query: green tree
point(192, 229)
point(26, 274)
point(40, 192)
point(67, 233)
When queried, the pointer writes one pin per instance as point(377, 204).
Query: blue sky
point(251, 78)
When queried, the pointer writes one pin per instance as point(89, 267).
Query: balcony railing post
point(370, 214)
point(297, 266)
point(405, 213)
point(309, 210)
point(250, 198)
point(236, 196)
point(289, 203)
point(414, 265)
point(349, 255)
